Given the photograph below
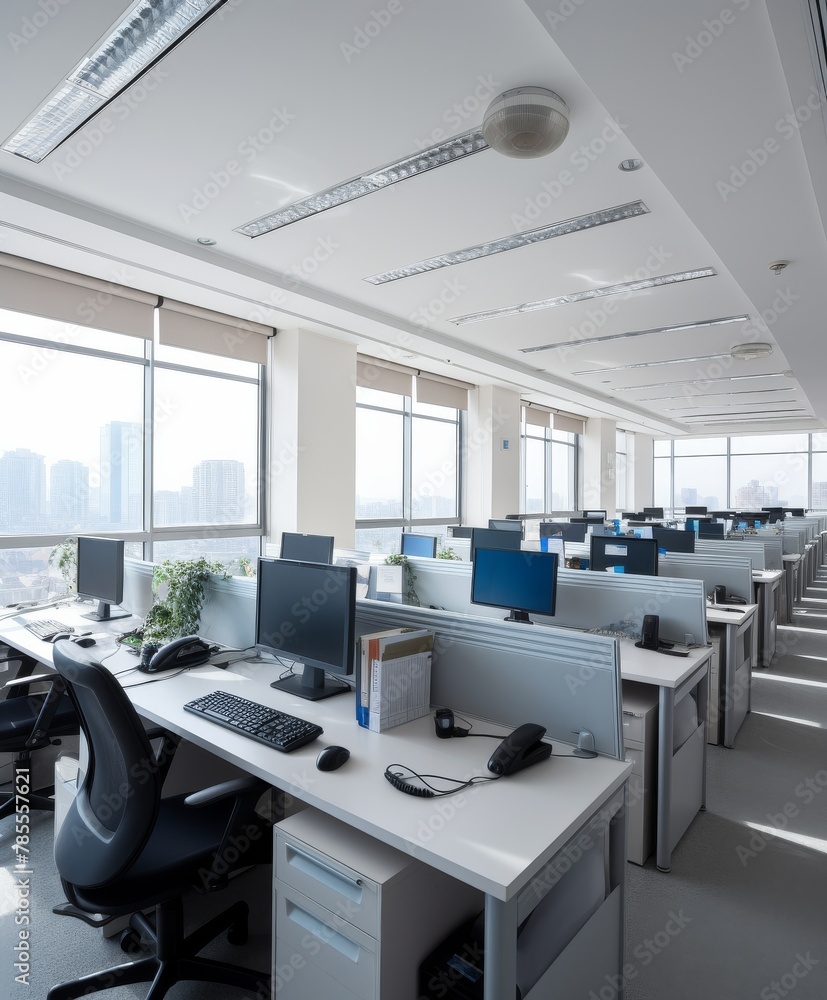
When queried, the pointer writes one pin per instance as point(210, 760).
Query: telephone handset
point(189, 651)
point(522, 748)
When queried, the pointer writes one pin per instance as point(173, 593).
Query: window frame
point(546, 434)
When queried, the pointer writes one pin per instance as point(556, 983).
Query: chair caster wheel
point(129, 940)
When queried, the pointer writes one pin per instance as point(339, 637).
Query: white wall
point(599, 443)
point(492, 483)
point(643, 472)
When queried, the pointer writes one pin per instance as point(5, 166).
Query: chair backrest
point(116, 806)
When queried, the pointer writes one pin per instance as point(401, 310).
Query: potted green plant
point(409, 591)
point(64, 557)
point(448, 554)
point(178, 611)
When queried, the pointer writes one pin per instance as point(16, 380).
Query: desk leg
point(666, 720)
point(729, 684)
point(500, 948)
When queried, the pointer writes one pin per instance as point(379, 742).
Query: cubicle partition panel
point(735, 547)
point(732, 572)
point(513, 673)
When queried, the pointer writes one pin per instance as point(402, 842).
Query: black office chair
point(29, 722)
point(123, 849)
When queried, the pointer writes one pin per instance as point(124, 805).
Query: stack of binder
point(394, 677)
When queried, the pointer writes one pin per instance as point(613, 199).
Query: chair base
point(175, 959)
point(36, 800)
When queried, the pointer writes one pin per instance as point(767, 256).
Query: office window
point(548, 460)
point(407, 468)
point(624, 496)
point(83, 411)
point(769, 469)
point(564, 455)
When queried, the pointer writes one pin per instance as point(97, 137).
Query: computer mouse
point(332, 758)
point(85, 641)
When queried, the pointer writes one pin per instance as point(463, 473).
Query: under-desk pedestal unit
point(640, 742)
point(353, 918)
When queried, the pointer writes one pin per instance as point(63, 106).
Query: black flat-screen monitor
point(594, 519)
point(655, 512)
point(524, 582)
point(632, 515)
point(307, 548)
point(305, 613)
point(674, 540)
point(695, 510)
point(624, 554)
point(795, 511)
point(594, 513)
point(710, 529)
point(459, 531)
point(100, 576)
point(505, 524)
point(418, 545)
point(727, 515)
point(493, 538)
point(751, 516)
point(773, 510)
point(568, 531)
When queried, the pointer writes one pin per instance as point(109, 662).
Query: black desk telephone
point(522, 748)
point(189, 651)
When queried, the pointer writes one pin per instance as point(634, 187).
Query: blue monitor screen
point(714, 530)
point(569, 532)
point(418, 545)
point(674, 540)
point(493, 538)
point(622, 554)
point(691, 525)
point(525, 582)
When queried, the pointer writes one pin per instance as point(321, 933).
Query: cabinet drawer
point(635, 758)
point(309, 935)
point(343, 891)
point(634, 728)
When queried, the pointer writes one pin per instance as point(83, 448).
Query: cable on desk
point(402, 782)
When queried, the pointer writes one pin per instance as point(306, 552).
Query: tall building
point(819, 501)
point(121, 474)
point(68, 495)
point(689, 496)
point(22, 490)
point(218, 484)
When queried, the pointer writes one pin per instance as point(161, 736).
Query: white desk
point(767, 587)
point(739, 629)
point(498, 835)
point(681, 774)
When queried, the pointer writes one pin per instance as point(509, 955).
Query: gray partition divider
point(734, 547)
point(512, 673)
point(793, 541)
point(773, 549)
point(732, 572)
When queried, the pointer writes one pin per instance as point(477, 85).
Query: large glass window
point(548, 460)
point(407, 468)
point(102, 435)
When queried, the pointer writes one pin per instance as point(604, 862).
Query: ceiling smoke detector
point(750, 352)
point(777, 266)
point(526, 122)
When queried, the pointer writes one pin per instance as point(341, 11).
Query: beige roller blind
point(439, 391)
point(567, 422)
point(374, 373)
point(537, 415)
point(28, 286)
point(196, 329)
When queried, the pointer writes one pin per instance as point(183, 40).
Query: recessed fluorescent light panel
point(628, 211)
point(678, 328)
point(625, 287)
point(652, 364)
point(147, 31)
point(694, 381)
point(357, 187)
point(753, 414)
point(750, 420)
point(707, 395)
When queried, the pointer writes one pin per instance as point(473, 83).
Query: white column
point(311, 472)
point(599, 445)
point(492, 487)
point(644, 472)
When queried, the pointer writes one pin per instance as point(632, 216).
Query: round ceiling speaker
point(750, 352)
point(526, 122)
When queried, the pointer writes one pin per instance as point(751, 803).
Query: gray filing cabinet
point(354, 918)
point(714, 715)
point(640, 741)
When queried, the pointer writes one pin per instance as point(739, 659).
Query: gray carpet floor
point(742, 915)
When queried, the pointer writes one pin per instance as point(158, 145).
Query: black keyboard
point(45, 628)
point(267, 725)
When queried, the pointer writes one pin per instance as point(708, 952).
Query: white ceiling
point(172, 160)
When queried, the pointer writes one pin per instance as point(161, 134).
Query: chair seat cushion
point(179, 853)
point(17, 717)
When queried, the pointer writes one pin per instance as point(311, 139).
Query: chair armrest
point(28, 680)
point(226, 789)
point(47, 710)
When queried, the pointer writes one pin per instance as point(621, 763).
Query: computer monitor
point(695, 510)
point(654, 512)
point(592, 519)
point(307, 548)
point(623, 554)
point(674, 540)
point(710, 529)
point(524, 582)
point(568, 531)
point(773, 510)
point(418, 545)
point(505, 524)
point(594, 513)
point(306, 612)
point(795, 511)
point(493, 538)
point(753, 516)
point(100, 576)
point(459, 531)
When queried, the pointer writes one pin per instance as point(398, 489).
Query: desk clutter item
point(260, 722)
point(45, 629)
point(393, 683)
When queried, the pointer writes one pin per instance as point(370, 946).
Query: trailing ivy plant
point(409, 595)
point(448, 554)
point(178, 612)
point(64, 557)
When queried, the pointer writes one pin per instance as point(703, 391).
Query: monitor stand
point(105, 613)
point(312, 684)
point(519, 616)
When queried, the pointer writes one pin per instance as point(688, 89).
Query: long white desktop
point(502, 837)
